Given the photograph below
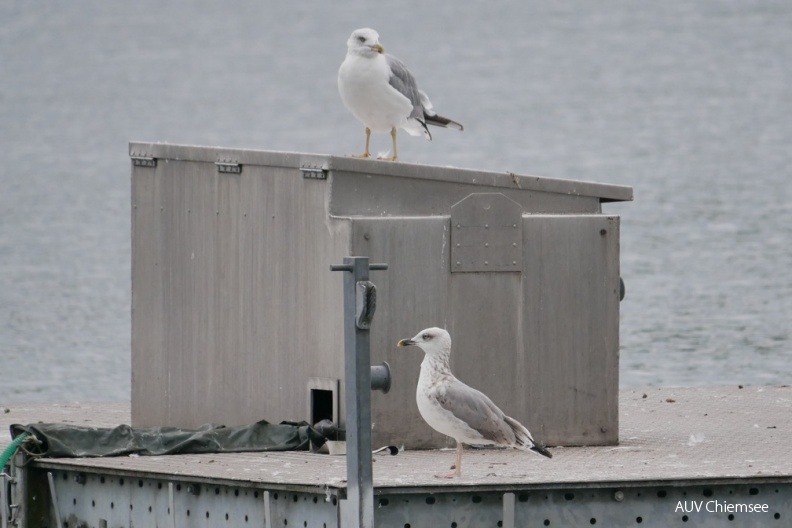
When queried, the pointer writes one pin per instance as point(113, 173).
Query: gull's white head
point(364, 42)
point(432, 341)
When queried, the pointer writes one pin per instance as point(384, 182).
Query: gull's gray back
point(404, 82)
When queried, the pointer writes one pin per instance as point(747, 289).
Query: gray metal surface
point(543, 344)
point(348, 167)
point(676, 436)
point(570, 330)
point(216, 295)
point(486, 234)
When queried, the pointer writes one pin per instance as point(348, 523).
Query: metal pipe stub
point(381, 377)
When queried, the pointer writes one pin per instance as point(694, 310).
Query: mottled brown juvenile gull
point(382, 93)
point(456, 410)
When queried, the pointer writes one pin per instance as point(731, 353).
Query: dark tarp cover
point(64, 440)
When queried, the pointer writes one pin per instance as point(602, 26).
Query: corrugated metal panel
point(231, 293)
point(570, 328)
point(411, 295)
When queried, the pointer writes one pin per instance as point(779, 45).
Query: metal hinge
point(228, 167)
point(144, 161)
point(313, 172)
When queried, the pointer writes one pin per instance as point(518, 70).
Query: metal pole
point(358, 509)
point(54, 497)
point(6, 511)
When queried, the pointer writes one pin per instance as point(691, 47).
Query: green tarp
point(64, 440)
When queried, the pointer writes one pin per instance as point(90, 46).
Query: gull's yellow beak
point(378, 48)
point(405, 342)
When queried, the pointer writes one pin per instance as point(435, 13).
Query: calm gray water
point(689, 102)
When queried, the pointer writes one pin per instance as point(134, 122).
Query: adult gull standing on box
point(457, 410)
point(381, 92)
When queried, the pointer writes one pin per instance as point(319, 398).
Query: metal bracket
point(143, 161)
point(486, 234)
point(228, 166)
point(313, 172)
point(365, 304)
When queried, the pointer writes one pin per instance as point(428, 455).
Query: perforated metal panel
point(124, 501)
point(91, 499)
point(653, 506)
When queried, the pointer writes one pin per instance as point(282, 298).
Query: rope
point(11, 448)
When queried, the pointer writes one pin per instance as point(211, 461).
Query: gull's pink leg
point(458, 468)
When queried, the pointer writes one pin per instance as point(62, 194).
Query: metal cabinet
point(236, 316)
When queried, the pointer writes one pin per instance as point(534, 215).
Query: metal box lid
point(406, 176)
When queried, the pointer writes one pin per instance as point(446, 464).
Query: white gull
point(457, 410)
point(381, 92)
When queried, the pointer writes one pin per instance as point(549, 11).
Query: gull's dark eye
point(426, 337)
point(362, 38)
